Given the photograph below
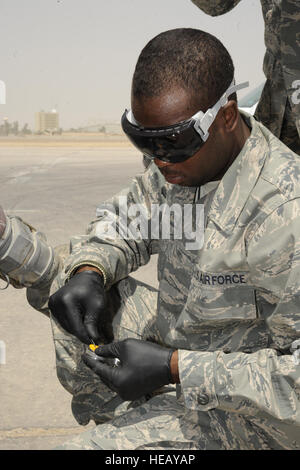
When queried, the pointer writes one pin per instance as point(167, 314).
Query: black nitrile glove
point(144, 367)
point(79, 305)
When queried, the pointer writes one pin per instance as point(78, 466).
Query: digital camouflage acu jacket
point(232, 308)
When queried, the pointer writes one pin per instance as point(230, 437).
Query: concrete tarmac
point(56, 189)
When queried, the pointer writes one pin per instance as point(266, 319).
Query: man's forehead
point(169, 107)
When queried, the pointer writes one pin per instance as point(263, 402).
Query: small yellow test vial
point(114, 362)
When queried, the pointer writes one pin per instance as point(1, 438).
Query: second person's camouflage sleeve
point(216, 7)
point(265, 382)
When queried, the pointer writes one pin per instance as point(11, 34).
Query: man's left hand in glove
point(144, 367)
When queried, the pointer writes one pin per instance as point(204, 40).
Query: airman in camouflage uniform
point(279, 106)
point(230, 308)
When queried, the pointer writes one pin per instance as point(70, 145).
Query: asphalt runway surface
point(56, 189)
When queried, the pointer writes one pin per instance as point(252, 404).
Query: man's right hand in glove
point(79, 305)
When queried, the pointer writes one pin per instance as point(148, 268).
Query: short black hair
point(190, 58)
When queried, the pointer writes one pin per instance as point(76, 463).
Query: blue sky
point(79, 55)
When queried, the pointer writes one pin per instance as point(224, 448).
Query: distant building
point(46, 121)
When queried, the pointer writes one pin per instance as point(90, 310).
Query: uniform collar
point(239, 180)
point(208, 187)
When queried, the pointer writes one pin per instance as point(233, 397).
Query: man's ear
point(230, 116)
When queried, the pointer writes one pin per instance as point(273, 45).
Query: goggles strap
point(204, 122)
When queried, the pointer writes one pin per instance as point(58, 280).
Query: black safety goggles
point(180, 141)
